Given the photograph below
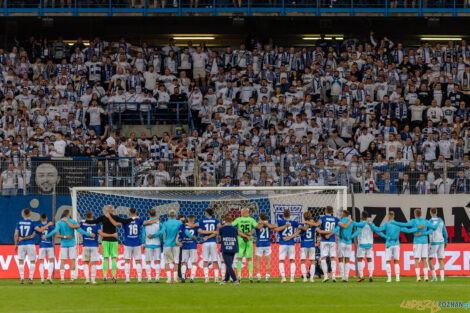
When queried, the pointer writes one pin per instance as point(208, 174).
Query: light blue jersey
point(345, 234)
point(65, 230)
point(171, 229)
point(152, 229)
point(366, 235)
point(392, 233)
point(415, 223)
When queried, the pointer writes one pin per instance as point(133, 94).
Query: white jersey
point(437, 236)
point(366, 237)
point(150, 230)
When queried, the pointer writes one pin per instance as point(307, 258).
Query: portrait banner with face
point(62, 173)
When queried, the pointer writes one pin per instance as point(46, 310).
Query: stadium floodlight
point(194, 38)
point(194, 200)
point(441, 38)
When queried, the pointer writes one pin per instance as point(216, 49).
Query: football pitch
point(377, 296)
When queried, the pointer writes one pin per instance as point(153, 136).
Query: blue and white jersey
point(263, 236)
point(288, 231)
point(328, 223)
point(439, 235)
point(48, 242)
point(92, 229)
point(307, 237)
point(209, 224)
point(25, 228)
point(133, 232)
point(188, 242)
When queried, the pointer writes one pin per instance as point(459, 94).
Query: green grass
point(377, 297)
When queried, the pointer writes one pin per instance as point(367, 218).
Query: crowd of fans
point(371, 113)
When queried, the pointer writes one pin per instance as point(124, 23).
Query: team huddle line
point(179, 235)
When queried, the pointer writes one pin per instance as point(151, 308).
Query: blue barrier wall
point(11, 207)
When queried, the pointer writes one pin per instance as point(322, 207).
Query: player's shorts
point(436, 251)
point(285, 250)
point(91, 254)
point(68, 252)
point(189, 256)
point(153, 254)
point(109, 249)
point(29, 250)
point(393, 251)
point(209, 252)
point(245, 248)
point(172, 254)
point(344, 250)
point(365, 252)
point(43, 252)
point(132, 251)
point(260, 251)
point(420, 250)
point(199, 73)
point(327, 248)
point(310, 251)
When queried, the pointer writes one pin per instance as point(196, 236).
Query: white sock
point(139, 270)
point(21, 269)
point(360, 267)
point(282, 271)
point(206, 272)
point(93, 272)
point(216, 273)
point(433, 272)
point(62, 274)
point(303, 269)
point(86, 272)
point(442, 274)
point(324, 268)
point(50, 270)
point(292, 270)
point(258, 275)
point(370, 266)
point(346, 270)
point(127, 270)
point(168, 275)
point(183, 271)
point(426, 274)
point(397, 270)
point(333, 268)
point(312, 270)
point(41, 270)
point(418, 271)
point(193, 271)
point(223, 269)
point(73, 274)
point(158, 269)
point(388, 269)
point(148, 270)
point(32, 267)
point(175, 274)
point(341, 269)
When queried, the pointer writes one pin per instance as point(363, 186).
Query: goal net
point(194, 200)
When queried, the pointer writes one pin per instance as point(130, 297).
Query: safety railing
point(248, 7)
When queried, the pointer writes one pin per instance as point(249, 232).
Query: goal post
point(194, 200)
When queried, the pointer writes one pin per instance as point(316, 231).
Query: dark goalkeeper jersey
point(108, 227)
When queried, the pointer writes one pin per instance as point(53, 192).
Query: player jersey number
point(264, 233)
point(330, 226)
point(133, 230)
point(209, 227)
point(245, 228)
point(191, 231)
point(287, 232)
point(89, 230)
point(308, 233)
point(24, 230)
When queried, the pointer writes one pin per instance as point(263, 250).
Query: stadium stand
point(375, 115)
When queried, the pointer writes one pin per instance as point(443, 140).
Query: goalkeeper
point(246, 228)
point(109, 244)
